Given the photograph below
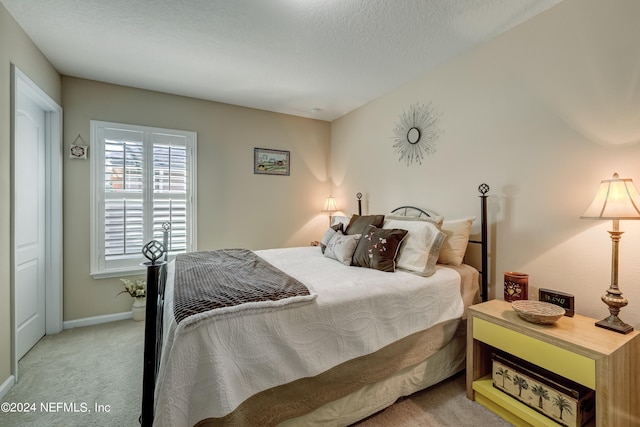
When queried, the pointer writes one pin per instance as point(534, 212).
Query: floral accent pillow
point(378, 248)
point(341, 247)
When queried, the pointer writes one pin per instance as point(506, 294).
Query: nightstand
point(573, 347)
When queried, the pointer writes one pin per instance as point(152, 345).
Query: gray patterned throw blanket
point(211, 283)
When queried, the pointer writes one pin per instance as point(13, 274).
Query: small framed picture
point(271, 162)
point(78, 151)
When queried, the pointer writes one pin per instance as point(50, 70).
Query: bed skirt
point(359, 387)
point(373, 398)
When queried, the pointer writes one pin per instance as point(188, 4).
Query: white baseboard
point(6, 386)
point(96, 320)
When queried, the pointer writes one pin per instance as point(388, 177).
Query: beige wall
point(235, 207)
point(16, 48)
point(542, 114)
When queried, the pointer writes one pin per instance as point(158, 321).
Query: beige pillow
point(420, 249)
point(455, 245)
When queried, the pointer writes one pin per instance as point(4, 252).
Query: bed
point(338, 344)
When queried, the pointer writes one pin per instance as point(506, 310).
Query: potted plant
point(138, 290)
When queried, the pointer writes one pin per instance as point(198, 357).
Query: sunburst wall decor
point(416, 133)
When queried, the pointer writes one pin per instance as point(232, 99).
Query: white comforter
point(209, 368)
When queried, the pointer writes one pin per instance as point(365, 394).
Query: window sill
point(121, 272)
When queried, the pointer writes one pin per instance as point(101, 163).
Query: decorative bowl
point(539, 312)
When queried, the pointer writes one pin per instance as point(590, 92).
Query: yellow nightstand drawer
point(570, 365)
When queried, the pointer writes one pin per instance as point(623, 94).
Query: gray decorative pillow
point(341, 247)
point(329, 234)
point(359, 224)
point(378, 248)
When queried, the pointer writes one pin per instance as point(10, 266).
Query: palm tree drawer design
point(564, 401)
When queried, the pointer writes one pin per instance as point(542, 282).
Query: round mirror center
point(413, 135)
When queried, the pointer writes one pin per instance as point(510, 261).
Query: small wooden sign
point(565, 301)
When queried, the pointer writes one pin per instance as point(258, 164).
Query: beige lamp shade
point(616, 198)
point(330, 205)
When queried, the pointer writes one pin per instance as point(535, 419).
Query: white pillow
point(420, 249)
point(437, 220)
point(341, 247)
point(455, 245)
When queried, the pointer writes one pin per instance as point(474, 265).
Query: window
point(141, 178)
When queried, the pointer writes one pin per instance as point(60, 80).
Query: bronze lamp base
point(614, 299)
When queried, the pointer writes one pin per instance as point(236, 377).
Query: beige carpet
point(444, 404)
point(93, 377)
point(83, 366)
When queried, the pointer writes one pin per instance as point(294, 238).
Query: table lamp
point(330, 206)
point(616, 199)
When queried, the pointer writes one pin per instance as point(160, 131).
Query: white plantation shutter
point(143, 177)
point(170, 185)
point(123, 193)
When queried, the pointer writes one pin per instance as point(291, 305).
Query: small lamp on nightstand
point(330, 206)
point(616, 199)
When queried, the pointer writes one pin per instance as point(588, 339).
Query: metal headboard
point(483, 189)
point(411, 211)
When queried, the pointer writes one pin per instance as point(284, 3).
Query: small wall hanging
point(78, 151)
point(416, 133)
point(271, 162)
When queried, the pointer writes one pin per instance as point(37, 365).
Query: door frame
point(53, 206)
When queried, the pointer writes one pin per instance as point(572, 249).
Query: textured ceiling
point(288, 56)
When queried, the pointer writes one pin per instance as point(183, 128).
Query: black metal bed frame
point(483, 189)
point(156, 253)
